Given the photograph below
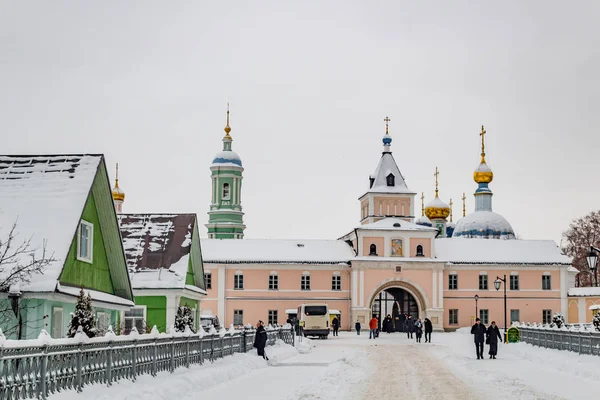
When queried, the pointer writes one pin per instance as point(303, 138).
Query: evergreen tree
point(184, 318)
point(596, 321)
point(558, 320)
point(83, 316)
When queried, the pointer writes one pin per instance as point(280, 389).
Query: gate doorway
point(398, 304)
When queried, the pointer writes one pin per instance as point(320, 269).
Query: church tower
point(388, 194)
point(437, 210)
point(225, 218)
point(117, 194)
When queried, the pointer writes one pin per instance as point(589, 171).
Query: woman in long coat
point(493, 334)
point(260, 339)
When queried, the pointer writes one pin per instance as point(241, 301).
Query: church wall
point(377, 241)
point(387, 205)
point(425, 242)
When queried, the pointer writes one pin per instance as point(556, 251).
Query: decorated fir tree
point(184, 318)
point(83, 316)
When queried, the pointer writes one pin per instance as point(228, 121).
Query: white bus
point(315, 318)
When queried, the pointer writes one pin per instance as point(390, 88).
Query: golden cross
point(464, 198)
point(482, 134)
point(451, 204)
point(422, 204)
point(436, 181)
point(386, 120)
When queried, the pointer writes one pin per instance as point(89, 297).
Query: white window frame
point(305, 281)
point(514, 278)
point(336, 281)
point(450, 275)
point(453, 312)
point(144, 315)
point(209, 274)
point(240, 312)
point(270, 315)
point(90, 258)
point(547, 274)
point(61, 333)
point(487, 281)
point(484, 315)
point(228, 197)
point(273, 281)
point(238, 278)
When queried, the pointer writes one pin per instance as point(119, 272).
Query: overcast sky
point(147, 83)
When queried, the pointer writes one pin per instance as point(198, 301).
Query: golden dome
point(483, 173)
point(117, 193)
point(227, 127)
point(436, 208)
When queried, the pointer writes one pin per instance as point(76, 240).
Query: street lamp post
point(592, 261)
point(497, 283)
point(476, 298)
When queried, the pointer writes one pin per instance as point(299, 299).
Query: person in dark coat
point(260, 339)
point(335, 324)
point(428, 330)
point(479, 331)
point(493, 334)
point(418, 330)
point(387, 324)
point(402, 322)
point(357, 327)
point(410, 326)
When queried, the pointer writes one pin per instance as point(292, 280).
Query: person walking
point(478, 330)
point(403, 322)
point(428, 329)
point(373, 327)
point(388, 324)
point(493, 334)
point(410, 326)
point(418, 330)
point(357, 327)
point(260, 339)
point(335, 324)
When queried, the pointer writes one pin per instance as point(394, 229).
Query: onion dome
point(423, 220)
point(436, 208)
point(227, 157)
point(483, 173)
point(484, 225)
point(117, 193)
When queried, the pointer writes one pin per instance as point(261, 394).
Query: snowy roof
point(437, 203)
point(45, 196)
point(498, 251)
point(387, 165)
point(157, 248)
point(584, 291)
point(275, 251)
point(227, 158)
point(391, 224)
point(484, 224)
point(483, 167)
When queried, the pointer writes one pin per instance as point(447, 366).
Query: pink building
point(392, 263)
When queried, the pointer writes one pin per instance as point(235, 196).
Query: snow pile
point(279, 352)
point(304, 345)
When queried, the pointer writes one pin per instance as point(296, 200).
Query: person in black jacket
point(493, 334)
point(479, 331)
point(260, 339)
point(335, 324)
point(410, 326)
point(387, 324)
point(428, 330)
point(402, 322)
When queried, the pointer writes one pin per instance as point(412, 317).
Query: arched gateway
point(399, 300)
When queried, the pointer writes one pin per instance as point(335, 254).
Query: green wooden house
point(165, 265)
point(62, 204)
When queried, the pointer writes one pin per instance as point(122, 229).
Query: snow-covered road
point(352, 367)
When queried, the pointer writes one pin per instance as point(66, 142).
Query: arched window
point(391, 180)
point(226, 191)
point(420, 251)
point(372, 250)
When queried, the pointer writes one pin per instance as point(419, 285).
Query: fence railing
point(36, 368)
point(580, 340)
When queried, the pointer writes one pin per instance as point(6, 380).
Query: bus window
point(315, 310)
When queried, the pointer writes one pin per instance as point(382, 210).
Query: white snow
point(389, 222)
point(584, 291)
point(437, 203)
point(483, 167)
point(45, 196)
point(276, 251)
point(97, 296)
point(352, 367)
point(483, 221)
point(227, 158)
point(173, 277)
point(484, 251)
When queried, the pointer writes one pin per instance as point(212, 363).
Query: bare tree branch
point(582, 233)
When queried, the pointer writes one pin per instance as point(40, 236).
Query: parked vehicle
point(315, 319)
point(209, 320)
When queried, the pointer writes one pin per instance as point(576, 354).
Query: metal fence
point(30, 369)
point(579, 341)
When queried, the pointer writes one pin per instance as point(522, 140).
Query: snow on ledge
point(584, 291)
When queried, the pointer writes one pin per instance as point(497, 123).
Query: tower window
point(391, 180)
point(371, 182)
point(372, 250)
point(420, 251)
point(226, 191)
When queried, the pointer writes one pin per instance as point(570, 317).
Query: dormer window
point(371, 182)
point(391, 180)
point(420, 251)
point(226, 191)
point(372, 250)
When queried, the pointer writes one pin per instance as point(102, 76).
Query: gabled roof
point(158, 249)
point(498, 251)
point(396, 224)
point(45, 196)
point(275, 251)
point(387, 165)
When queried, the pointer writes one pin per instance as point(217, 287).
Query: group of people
point(489, 335)
point(410, 326)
